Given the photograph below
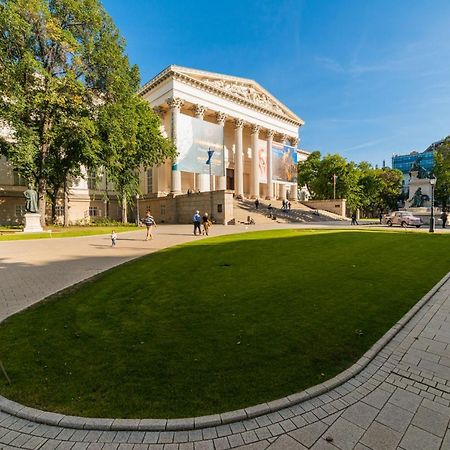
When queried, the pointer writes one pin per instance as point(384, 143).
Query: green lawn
point(60, 232)
point(218, 324)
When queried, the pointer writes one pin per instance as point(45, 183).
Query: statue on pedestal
point(31, 202)
point(418, 199)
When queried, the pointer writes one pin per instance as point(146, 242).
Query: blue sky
point(369, 77)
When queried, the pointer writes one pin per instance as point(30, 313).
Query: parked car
point(402, 218)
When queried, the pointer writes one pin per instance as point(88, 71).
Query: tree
point(131, 139)
point(362, 185)
point(441, 171)
point(60, 60)
point(318, 175)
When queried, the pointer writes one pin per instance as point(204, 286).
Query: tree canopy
point(364, 186)
point(441, 171)
point(64, 70)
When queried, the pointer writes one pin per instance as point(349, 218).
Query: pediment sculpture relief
point(246, 92)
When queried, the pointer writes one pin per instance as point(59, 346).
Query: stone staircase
point(298, 213)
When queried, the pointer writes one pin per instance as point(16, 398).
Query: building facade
point(260, 135)
point(251, 135)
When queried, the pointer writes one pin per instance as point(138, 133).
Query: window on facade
point(59, 211)
point(20, 210)
point(93, 211)
point(149, 181)
point(92, 180)
point(19, 180)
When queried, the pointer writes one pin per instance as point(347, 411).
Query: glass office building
point(404, 162)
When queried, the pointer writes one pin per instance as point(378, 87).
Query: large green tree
point(63, 64)
point(131, 140)
point(363, 186)
point(325, 176)
point(441, 171)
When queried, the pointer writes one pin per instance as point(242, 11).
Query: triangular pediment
point(240, 88)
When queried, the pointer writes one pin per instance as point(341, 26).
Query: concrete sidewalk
point(401, 400)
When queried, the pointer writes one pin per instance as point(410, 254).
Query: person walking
point(206, 223)
point(256, 203)
point(289, 205)
point(113, 238)
point(149, 222)
point(196, 219)
point(283, 205)
point(444, 218)
point(354, 221)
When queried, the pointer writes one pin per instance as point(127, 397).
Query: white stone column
point(293, 193)
point(175, 105)
point(203, 181)
point(294, 188)
point(270, 134)
point(254, 185)
point(222, 180)
point(282, 186)
point(238, 160)
point(282, 191)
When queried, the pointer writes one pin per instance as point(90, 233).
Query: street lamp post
point(137, 209)
point(432, 182)
point(334, 186)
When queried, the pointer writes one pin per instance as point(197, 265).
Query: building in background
point(405, 162)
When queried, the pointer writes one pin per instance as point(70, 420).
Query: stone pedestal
point(414, 184)
point(32, 223)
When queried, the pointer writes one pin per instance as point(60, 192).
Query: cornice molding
point(186, 79)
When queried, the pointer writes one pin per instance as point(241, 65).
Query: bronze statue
point(31, 203)
point(418, 199)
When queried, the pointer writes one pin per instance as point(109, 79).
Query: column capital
point(159, 111)
point(284, 138)
point(199, 111)
point(294, 141)
point(239, 123)
point(221, 118)
point(175, 103)
point(270, 133)
point(255, 128)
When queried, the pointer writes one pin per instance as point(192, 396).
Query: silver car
point(402, 218)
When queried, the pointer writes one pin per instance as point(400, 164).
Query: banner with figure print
point(194, 138)
point(284, 162)
point(262, 163)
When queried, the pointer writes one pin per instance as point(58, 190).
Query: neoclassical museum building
point(234, 139)
point(253, 135)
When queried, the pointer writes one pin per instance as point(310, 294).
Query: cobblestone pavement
point(401, 400)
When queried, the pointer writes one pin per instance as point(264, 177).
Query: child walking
point(113, 238)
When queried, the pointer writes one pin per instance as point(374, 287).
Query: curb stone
point(191, 423)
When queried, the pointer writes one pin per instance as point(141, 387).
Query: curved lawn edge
point(55, 419)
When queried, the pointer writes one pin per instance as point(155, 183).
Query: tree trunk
point(124, 209)
point(54, 198)
point(66, 204)
point(42, 183)
point(42, 188)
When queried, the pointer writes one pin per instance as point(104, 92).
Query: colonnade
point(203, 181)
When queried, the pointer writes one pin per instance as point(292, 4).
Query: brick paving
point(400, 400)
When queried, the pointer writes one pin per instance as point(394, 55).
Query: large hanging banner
point(262, 164)
point(194, 138)
point(284, 162)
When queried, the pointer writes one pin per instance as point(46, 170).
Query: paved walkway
point(400, 400)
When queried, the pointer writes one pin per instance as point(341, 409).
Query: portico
point(253, 123)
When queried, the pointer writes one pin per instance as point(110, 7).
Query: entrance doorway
point(230, 179)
